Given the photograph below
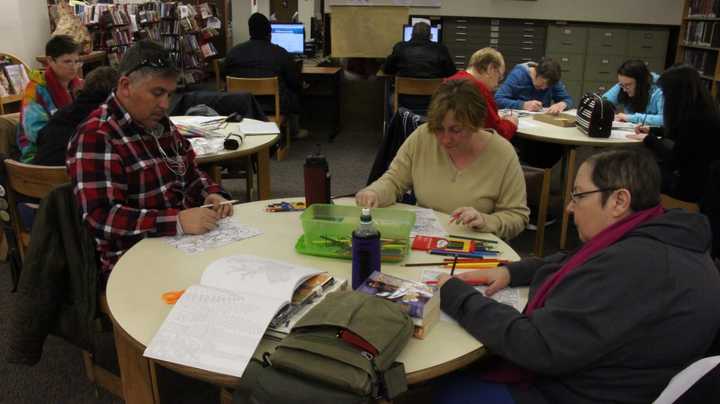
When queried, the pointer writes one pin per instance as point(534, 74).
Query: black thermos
point(317, 179)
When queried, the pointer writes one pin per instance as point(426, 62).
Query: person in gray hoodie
point(614, 320)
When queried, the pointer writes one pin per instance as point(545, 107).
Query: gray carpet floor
point(59, 377)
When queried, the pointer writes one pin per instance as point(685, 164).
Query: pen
point(471, 283)
point(452, 271)
point(473, 238)
point(210, 205)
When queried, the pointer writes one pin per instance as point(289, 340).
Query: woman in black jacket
point(688, 143)
point(54, 137)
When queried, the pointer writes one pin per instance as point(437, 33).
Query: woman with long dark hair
point(688, 142)
point(636, 91)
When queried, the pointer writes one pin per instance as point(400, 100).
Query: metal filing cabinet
point(607, 41)
point(563, 39)
point(605, 53)
point(649, 45)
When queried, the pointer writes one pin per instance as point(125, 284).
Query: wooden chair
point(668, 202)
point(15, 97)
point(413, 86)
point(31, 181)
point(36, 182)
point(537, 184)
point(268, 86)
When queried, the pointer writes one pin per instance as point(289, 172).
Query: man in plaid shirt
point(134, 175)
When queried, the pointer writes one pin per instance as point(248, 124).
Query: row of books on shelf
point(704, 61)
point(703, 33)
point(13, 78)
point(704, 8)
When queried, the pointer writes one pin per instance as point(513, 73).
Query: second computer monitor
point(434, 33)
point(291, 37)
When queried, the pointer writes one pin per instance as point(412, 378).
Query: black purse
point(595, 115)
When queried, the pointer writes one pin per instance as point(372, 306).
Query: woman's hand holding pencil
point(496, 279)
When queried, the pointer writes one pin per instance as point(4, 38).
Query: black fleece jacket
point(54, 137)
point(617, 328)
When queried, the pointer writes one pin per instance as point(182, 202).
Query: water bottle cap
point(365, 215)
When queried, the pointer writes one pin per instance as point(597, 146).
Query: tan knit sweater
point(493, 184)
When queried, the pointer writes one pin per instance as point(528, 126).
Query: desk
point(89, 58)
point(314, 76)
point(253, 145)
point(570, 139)
point(152, 267)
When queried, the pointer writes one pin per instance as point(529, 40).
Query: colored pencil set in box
point(452, 246)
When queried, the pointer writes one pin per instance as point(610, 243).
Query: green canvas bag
point(345, 346)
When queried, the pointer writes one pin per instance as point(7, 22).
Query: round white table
point(153, 267)
point(570, 138)
point(258, 145)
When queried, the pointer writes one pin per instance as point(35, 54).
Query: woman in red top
point(485, 70)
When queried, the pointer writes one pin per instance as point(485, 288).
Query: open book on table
point(217, 325)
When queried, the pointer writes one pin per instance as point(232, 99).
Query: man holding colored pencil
point(611, 322)
point(134, 175)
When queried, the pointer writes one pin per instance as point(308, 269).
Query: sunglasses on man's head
point(156, 63)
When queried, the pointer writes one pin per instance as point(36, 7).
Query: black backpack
point(595, 115)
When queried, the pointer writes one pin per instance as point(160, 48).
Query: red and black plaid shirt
point(123, 185)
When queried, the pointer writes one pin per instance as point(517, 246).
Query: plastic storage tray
point(327, 231)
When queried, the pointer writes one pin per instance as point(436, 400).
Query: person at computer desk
point(611, 322)
point(455, 166)
point(419, 57)
point(638, 93)
point(258, 57)
point(486, 69)
point(533, 86)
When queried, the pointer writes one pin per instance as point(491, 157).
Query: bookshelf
point(194, 31)
point(699, 41)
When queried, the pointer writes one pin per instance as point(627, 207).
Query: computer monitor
point(434, 33)
point(291, 37)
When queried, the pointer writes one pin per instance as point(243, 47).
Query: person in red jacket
point(485, 70)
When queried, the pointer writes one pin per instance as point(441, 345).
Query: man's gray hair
point(634, 170)
point(147, 57)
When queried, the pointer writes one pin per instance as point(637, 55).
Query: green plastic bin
point(327, 231)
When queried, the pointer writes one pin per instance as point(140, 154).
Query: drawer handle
point(460, 40)
point(528, 29)
point(605, 61)
point(494, 22)
point(462, 26)
point(461, 33)
point(648, 35)
point(567, 31)
point(565, 59)
point(460, 20)
point(608, 34)
point(527, 49)
point(459, 57)
point(567, 42)
point(528, 36)
point(526, 59)
point(603, 72)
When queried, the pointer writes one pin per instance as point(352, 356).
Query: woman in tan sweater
point(455, 166)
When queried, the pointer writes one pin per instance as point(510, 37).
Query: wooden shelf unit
point(685, 48)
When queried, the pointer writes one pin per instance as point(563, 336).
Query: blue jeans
point(464, 387)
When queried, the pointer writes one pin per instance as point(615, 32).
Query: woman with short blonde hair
point(455, 166)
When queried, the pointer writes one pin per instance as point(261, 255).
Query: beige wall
point(664, 12)
point(24, 28)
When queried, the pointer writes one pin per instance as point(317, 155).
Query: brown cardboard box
point(564, 120)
